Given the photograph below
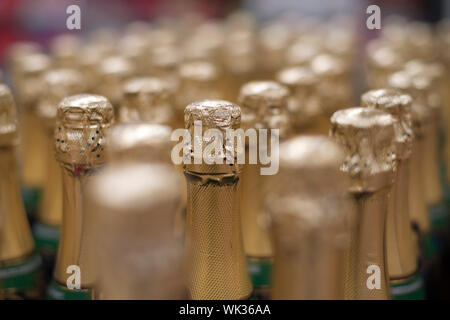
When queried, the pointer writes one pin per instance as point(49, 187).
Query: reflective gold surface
point(79, 144)
point(214, 252)
point(400, 245)
point(369, 139)
point(311, 214)
point(16, 240)
point(134, 205)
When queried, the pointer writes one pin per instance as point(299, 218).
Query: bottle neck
point(72, 249)
point(214, 250)
point(16, 241)
point(367, 248)
point(401, 253)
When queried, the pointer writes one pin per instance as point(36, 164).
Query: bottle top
point(79, 132)
point(311, 190)
point(8, 117)
point(264, 105)
point(417, 86)
point(211, 114)
point(304, 103)
point(198, 71)
point(368, 137)
point(124, 188)
point(301, 53)
point(147, 99)
point(65, 49)
point(58, 84)
point(139, 142)
point(399, 106)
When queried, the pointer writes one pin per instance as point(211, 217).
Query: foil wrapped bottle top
point(303, 103)
point(65, 50)
point(211, 114)
point(8, 118)
point(58, 84)
point(29, 71)
point(147, 99)
point(139, 142)
point(311, 190)
point(19, 50)
point(198, 71)
point(301, 53)
point(368, 136)
point(79, 132)
point(417, 86)
point(112, 73)
point(264, 105)
point(399, 106)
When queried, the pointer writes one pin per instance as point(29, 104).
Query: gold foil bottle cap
point(211, 114)
point(399, 106)
point(30, 69)
point(274, 39)
point(303, 103)
point(8, 118)
point(113, 72)
point(198, 71)
point(205, 43)
point(65, 49)
point(134, 205)
point(326, 65)
point(144, 142)
point(79, 132)
point(416, 86)
point(368, 137)
point(58, 84)
point(301, 53)
point(264, 105)
point(147, 99)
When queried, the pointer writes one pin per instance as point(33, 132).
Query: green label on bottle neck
point(438, 216)
point(31, 198)
point(260, 270)
point(21, 276)
point(410, 289)
point(58, 292)
point(46, 237)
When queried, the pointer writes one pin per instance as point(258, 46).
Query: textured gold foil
point(134, 207)
point(311, 214)
point(214, 253)
point(16, 241)
point(79, 148)
point(147, 99)
point(368, 137)
point(400, 246)
point(304, 104)
point(264, 106)
point(65, 50)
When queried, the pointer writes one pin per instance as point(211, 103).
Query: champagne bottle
point(214, 252)
point(79, 143)
point(264, 105)
point(311, 214)
point(136, 255)
point(30, 70)
point(57, 84)
point(420, 113)
point(404, 277)
point(19, 261)
point(369, 140)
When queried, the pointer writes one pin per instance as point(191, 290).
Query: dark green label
point(438, 216)
point(31, 198)
point(46, 237)
point(260, 271)
point(22, 276)
point(430, 246)
point(411, 289)
point(58, 292)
